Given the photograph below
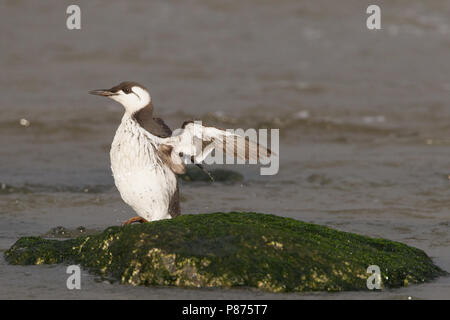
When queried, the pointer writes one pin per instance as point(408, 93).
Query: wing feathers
point(195, 140)
point(237, 146)
point(172, 160)
point(245, 149)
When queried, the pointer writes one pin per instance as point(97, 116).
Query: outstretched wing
point(197, 142)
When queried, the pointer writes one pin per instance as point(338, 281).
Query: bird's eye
point(127, 90)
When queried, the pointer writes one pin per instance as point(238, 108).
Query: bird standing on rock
point(146, 156)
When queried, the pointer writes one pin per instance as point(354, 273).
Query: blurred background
point(363, 118)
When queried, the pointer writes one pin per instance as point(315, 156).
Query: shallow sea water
point(364, 121)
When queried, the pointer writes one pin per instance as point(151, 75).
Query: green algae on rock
point(231, 250)
point(194, 174)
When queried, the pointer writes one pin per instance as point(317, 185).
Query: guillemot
point(146, 157)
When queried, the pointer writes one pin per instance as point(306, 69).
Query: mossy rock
point(232, 250)
point(194, 174)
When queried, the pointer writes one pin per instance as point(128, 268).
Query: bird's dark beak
point(103, 93)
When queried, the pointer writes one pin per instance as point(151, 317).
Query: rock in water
point(234, 249)
point(194, 174)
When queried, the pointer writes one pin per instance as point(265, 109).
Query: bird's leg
point(134, 219)
point(201, 167)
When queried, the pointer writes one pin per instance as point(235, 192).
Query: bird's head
point(131, 95)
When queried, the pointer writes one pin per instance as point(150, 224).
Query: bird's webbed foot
point(133, 220)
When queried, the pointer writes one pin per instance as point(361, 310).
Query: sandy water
point(363, 117)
